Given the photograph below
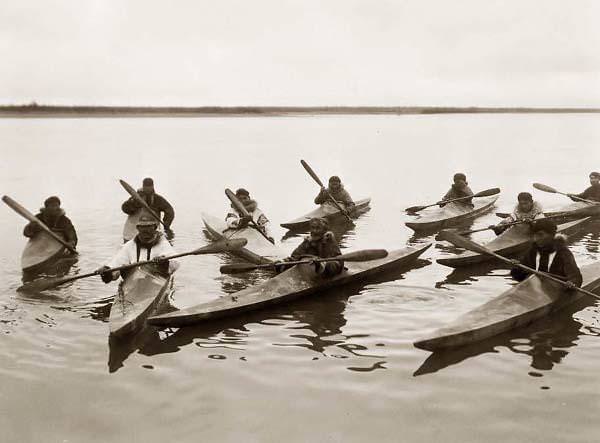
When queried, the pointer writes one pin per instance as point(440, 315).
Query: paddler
point(549, 253)
point(320, 243)
point(591, 193)
point(337, 191)
point(526, 210)
point(148, 244)
point(53, 216)
point(157, 203)
point(235, 220)
point(460, 188)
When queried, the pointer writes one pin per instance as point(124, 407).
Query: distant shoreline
point(44, 111)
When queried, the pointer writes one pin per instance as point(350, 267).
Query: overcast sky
point(304, 52)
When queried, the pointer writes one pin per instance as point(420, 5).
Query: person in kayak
point(235, 220)
point(337, 191)
point(460, 188)
point(53, 216)
point(526, 210)
point(320, 243)
point(549, 253)
point(157, 203)
point(591, 193)
point(148, 244)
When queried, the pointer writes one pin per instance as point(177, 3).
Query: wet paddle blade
point(413, 209)
point(488, 192)
point(457, 240)
point(237, 268)
point(502, 214)
point(364, 255)
point(222, 246)
point(545, 188)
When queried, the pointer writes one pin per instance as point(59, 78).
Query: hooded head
point(460, 179)
point(525, 202)
point(52, 207)
point(148, 186)
point(595, 178)
point(318, 227)
point(544, 231)
point(147, 227)
point(335, 183)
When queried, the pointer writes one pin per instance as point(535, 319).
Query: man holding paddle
point(237, 220)
point(148, 244)
point(526, 210)
point(157, 203)
point(53, 216)
point(335, 191)
point(591, 193)
point(459, 189)
point(549, 253)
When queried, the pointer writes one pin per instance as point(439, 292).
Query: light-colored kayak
point(452, 214)
point(523, 303)
point(575, 210)
point(41, 250)
point(130, 229)
point(298, 281)
point(257, 250)
point(139, 294)
point(329, 212)
point(511, 242)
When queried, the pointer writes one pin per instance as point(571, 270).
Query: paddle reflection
point(546, 341)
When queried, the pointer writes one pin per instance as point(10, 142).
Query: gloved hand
point(319, 267)
point(570, 285)
point(244, 220)
point(106, 277)
point(158, 259)
point(515, 262)
point(497, 229)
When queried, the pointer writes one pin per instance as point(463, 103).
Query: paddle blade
point(452, 236)
point(222, 246)
point(236, 202)
point(237, 268)
point(413, 209)
point(487, 192)
point(128, 187)
point(502, 214)
point(545, 188)
point(312, 173)
point(364, 255)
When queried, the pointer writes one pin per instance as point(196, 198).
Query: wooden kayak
point(575, 210)
point(515, 240)
point(40, 251)
point(523, 303)
point(298, 281)
point(139, 294)
point(327, 211)
point(258, 249)
point(452, 214)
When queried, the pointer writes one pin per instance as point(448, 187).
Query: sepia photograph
point(300, 221)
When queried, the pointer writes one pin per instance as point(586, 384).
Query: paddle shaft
point(483, 249)
point(32, 218)
point(518, 222)
point(242, 210)
point(320, 183)
point(134, 194)
point(486, 193)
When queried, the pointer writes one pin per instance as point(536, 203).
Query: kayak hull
point(520, 305)
point(575, 211)
point(452, 214)
point(514, 241)
point(139, 295)
point(296, 282)
point(40, 251)
point(258, 250)
point(328, 212)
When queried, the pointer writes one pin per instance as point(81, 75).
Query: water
point(335, 367)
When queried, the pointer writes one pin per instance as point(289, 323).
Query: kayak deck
point(575, 210)
point(139, 294)
point(451, 215)
point(511, 242)
point(296, 282)
point(258, 249)
point(525, 302)
point(329, 212)
point(40, 251)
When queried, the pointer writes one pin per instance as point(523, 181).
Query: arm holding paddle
point(316, 178)
point(241, 209)
point(486, 193)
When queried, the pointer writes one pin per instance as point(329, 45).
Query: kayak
point(298, 281)
point(575, 210)
point(327, 211)
point(525, 302)
point(40, 251)
point(130, 229)
point(139, 294)
point(513, 241)
point(451, 214)
point(258, 249)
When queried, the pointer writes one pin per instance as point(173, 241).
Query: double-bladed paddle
point(356, 256)
point(316, 178)
point(454, 238)
point(550, 189)
point(32, 218)
point(134, 194)
point(486, 193)
point(242, 210)
point(42, 284)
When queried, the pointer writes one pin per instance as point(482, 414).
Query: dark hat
point(334, 178)
point(594, 174)
point(321, 221)
point(460, 176)
point(241, 192)
point(544, 225)
point(148, 182)
point(524, 197)
point(147, 220)
point(50, 200)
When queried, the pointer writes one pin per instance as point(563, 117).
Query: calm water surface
point(335, 367)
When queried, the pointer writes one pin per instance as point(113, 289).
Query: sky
point(301, 53)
